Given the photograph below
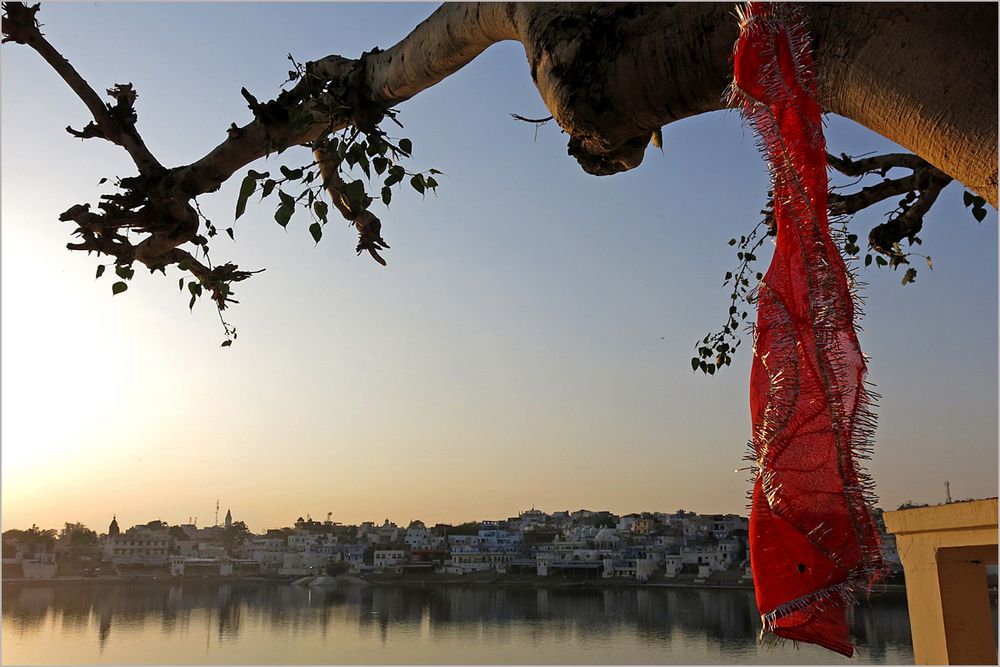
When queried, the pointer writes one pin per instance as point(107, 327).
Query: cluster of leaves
point(715, 350)
point(977, 203)
point(124, 273)
point(374, 153)
point(895, 256)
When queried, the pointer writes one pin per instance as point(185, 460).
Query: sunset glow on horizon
point(528, 345)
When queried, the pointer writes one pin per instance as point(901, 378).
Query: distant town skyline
point(125, 519)
point(528, 343)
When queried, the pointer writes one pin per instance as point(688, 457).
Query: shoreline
point(428, 581)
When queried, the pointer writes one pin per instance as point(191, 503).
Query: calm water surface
point(273, 623)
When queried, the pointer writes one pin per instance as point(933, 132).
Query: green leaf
point(229, 230)
point(268, 187)
point(321, 209)
point(100, 270)
point(880, 260)
point(431, 183)
point(102, 181)
point(124, 272)
point(386, 195)
point(732, 241)
point(380, 164)
point(695, 363)
point(406, 146)
point(396, 174)
point(316, 230)
point(286, 199)
point(284, 214)
point(257, 175)
point(291, 174)
point(180, 284)
point(354, 192)
point(968, 198)
point(868, 259)
point(417, 181)
point(909, 276)
point(119, 287)
point(979, 214)
point(226, 343)
point(246, 189)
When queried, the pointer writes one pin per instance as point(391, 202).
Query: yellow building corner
point(945, 550)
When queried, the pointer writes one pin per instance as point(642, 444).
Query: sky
point(528, 345)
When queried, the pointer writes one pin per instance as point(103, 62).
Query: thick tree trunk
point(924, 76)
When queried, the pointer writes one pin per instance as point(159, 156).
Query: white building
point(709, 555)
point(139, 545)
point(268, 551)
point(417, 535)
point(388, 559)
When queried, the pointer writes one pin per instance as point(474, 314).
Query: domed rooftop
point(606, 535)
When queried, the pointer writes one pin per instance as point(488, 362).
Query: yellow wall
point(945, 550)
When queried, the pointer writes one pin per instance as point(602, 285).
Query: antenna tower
point(947, 492)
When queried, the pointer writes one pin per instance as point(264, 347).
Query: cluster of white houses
point(570, 544)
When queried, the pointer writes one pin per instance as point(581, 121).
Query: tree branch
point(921, 187)
point(116, 124)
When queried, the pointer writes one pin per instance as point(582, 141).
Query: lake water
point(199, 623)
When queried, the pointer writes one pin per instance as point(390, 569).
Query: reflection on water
point(272, 623)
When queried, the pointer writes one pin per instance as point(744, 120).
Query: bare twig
point(537, 121)
point(116, 124)
point(921, 187)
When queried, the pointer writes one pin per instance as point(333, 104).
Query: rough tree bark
point(924, 76)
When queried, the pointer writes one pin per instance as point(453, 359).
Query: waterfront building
point(138, 546)
point(269, 553)
point(40, 566)
point(389, 560)
point(672, 564)
point(708, 555)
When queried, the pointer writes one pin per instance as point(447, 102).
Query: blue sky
point(528, 344)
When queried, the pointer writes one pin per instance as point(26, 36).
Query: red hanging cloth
point(813, 542)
